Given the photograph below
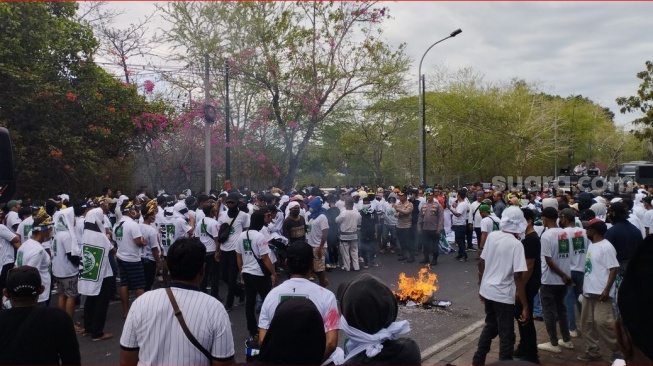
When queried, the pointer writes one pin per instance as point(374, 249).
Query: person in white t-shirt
point(12, 220)
point(239, 221)
point(300, 263)
point(25, 227)
point(129, 238)
point(207, 230)
point(8, 242)
point(318, 232)
point(597, 318)
point(151, 253)
point(65, 262)
point(96, 279)
point(253, 252)
point(460, 211)
point(31, 253)
point(579, 244)
point(489, 223)
point(152, 334)
point(501, 270)
point(556, 276)
point(647, 220)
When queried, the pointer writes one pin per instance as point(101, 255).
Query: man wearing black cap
point(34, 335)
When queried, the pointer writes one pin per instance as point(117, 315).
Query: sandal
point(79, 330)
point(104, 337)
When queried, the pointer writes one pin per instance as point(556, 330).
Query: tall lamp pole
point(422, 120)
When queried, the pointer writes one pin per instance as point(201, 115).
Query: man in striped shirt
point(152, 334)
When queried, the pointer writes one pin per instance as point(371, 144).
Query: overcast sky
point(589, 48)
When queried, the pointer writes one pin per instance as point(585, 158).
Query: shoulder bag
point(225, 230)
point(182, 322)
point(264, 268)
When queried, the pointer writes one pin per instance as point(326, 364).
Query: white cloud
point(594, 49)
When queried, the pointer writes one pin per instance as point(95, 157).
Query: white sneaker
point(573, 333)
point(567, 345)
point(549, 347)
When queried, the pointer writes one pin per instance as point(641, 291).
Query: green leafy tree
point(72, 123)
point(641, 103)
point(303, 58)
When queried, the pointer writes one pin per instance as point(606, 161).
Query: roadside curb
point(438, 347)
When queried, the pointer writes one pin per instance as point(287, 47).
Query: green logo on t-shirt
point(203, 228)
point(579, 244)
point(19, 258)
point(119, 232)
point(588, 266)
point(26, 230)
point(167, 233)
point(92, 258)
point(308, 228)
point(247, 245)
point(563, 247)
point(54, 247)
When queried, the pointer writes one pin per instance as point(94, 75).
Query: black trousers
point(469, 237)
point(229, 273)
point(254, 285)
point(527, 334)
point(499, 320)
point(477, 230)
point(211, 275)
point(406, 242)
point(96, 307)
point(149, 267)
point(430, 241)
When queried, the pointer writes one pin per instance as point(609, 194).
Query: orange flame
point(417, 289)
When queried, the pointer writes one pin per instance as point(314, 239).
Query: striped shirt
point(152, 328)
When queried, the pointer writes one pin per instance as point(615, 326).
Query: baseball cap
point(484, 208)
point(13, 203)
point(568, 214)
point(23, 281)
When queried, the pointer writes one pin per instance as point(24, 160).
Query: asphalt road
point(457, 283)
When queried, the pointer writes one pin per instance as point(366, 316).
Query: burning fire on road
point(418, 289)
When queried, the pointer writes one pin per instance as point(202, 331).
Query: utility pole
point(207, 130)
point(227, 173)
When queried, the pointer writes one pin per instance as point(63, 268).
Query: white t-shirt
point(25, 229)
point(166, 230)
point(462, 208)
point(182, 227)
point(199, 215)
point(556, 245)
point(207, 228)
point(647, 221)
point(257, 245)
point(633, 219)
point(639, 211)
point(579, 244)
point(601, 257)
point(240, 222)
point(61, 265)
point(31, 253)
point(152, 328)
point(323, 299)
point(124, 233)
point(315, 227)
point(12, 219)
point(152, 237)
point(504, 256)
point(490, 223)
point(473, 211)
point(6, 248)
point(95, 255)
point(390, 214)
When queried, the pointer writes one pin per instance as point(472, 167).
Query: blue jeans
point(571, 298)
point(460, 231)
point(537, 306)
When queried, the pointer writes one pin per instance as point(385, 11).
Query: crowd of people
point(542, 254)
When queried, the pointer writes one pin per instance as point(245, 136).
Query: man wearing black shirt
point(527, 348)
point(31, 335)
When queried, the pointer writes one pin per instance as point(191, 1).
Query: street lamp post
point(422, 120)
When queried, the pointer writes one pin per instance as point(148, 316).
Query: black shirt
point(294, 230)
point(625, 237)
point(45, 338)
point(532, 250)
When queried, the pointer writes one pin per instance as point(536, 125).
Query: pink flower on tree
point(149, 86)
